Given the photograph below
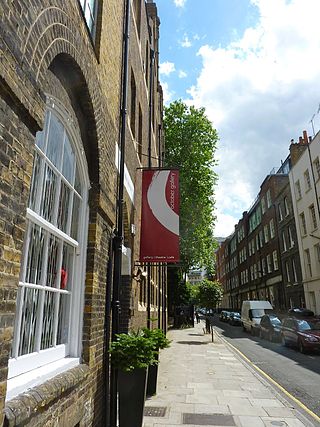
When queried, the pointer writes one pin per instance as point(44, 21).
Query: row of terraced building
point(274, 252)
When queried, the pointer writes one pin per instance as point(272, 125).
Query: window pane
point(63, 319)
point(48, 320)
point(68, 161)
point(52, 263)
point(34, 182)
point(55, 141)
point(88, 18)
point(48, 195)
point(77, 181)
point(28, 321)
point(91, 4)
point(35, 255)
point(63, 207)
point(40, 136)
point(67, 267)
point(75, 217)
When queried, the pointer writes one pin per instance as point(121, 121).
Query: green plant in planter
point(133, 351)
point(158, 337)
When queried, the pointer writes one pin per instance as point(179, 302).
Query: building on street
point(61, 88)
point(260, 260)
point(305, 187)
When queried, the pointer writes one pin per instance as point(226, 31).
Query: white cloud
point(260, 91)
point(185, 42)
point(224, 223)
point(167, 94)
point(182, 74)
point(166, 68)
point(180, 3)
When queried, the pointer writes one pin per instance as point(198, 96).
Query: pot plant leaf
point(132, 351)
point(158, 337)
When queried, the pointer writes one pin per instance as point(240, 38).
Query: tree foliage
point(209, 294)
point(190, 145)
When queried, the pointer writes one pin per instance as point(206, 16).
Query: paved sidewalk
point(201, 383)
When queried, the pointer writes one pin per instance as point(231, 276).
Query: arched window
point(89, 8)
point(51, 287)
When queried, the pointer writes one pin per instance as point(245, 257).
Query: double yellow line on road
point(307, 410)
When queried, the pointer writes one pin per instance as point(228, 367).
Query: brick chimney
point(296, 149)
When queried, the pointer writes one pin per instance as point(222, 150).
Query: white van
point(251, 313)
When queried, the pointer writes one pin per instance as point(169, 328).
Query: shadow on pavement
point(192, 342)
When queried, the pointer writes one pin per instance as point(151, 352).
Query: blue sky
point(185, 29)
point(254, 65)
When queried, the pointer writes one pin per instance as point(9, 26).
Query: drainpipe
point(107, 335)
point(118, 239)
point(149, 166)
point(160, 265)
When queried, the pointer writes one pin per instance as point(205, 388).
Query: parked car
point(300, 312)
point(301, 333)
point(235, 318)
point(224, 315)
point(270, 327)
point(251, 313)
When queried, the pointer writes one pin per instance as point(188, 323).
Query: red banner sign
point(159, 240)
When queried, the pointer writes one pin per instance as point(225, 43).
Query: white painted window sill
point(23, 382)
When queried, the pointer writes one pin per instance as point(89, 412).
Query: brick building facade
point(289, 250)
point(60, 93)
point(253, 262)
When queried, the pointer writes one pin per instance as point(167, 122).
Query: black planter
point(132, 395)
point(152, 379)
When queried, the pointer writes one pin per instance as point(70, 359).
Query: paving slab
point(200, 381)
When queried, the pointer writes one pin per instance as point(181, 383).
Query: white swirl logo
point(158, 203)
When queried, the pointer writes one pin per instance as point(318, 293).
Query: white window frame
point(90, 14)
point(266, 233)
point(287, 271)
point(317, 252)
point(280, 212)
point(303, 223)
point(295, 277)
point(308, 262)
point(275, 260)
point(269, 263)
point(269, 202)
point(272, 229)
point(261, 238)
point(307, 180)
point(284, 241)
point(286, 206)
point(257, 242)
point(316, 165)
point(313, 218)
point(290, 237)
point(298, 190)
point(28, 365)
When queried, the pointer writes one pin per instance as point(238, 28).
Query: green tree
point(209, 294)
point(190, 145)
